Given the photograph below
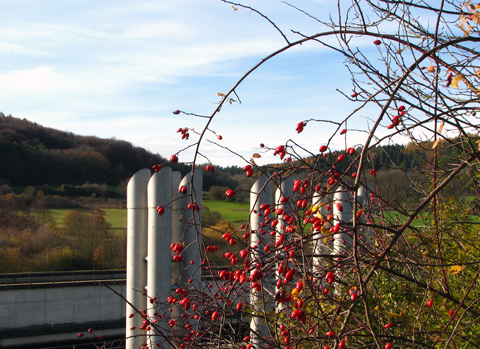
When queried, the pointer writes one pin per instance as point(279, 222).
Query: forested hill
point(31, 154)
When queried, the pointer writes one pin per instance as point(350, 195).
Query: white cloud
point(16, 49)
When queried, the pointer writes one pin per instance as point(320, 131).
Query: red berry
point(219, 137)
point(341, 157)
point(388, 346)
point(377, 42)
point(176, 112)
point(210, 168)
point(430, 303)
point(160, 210)
point(230, 193)
point(330, 277)
point(323, 148)
point(300, 127)
point(239, 306)
point(174, 159)
point(215, 315)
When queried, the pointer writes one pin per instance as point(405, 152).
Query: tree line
point(31, 154)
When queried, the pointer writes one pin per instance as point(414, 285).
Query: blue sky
point(119, 68)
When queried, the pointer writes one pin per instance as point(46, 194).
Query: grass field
point(229, 210)
point(116, 217)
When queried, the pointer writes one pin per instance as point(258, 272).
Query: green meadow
point(229, 210)
point(117, 217)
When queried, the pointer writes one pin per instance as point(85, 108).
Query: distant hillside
point(31, 154)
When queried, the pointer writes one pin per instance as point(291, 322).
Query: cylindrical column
point(362, 199)
point(177, 237)
point(285, 190)
point(342, 213)
point(137, 222)
point(261, 193)
point(177, 233)
point(189, 229)
point(159, 239)
point(321, 243)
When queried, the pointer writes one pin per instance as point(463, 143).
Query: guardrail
point(74, 276)
point(53, 277)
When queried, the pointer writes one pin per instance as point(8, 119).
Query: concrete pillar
point(363, 194)
point(320, 246)
point(177, 236)
point(137, 222)
point(159, 238)
point(189, 229)
point(177, 233)
point(343, 241)
point(285, 190)
point(261, 193)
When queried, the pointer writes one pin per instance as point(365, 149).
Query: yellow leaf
point(435, 144)
point(441, 127)
point(256, 155)
point(476, 18)
point(454, 83)
point(455, 80)
point(220, 94)
point(455, 269)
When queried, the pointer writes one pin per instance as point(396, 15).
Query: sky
point(119, 68)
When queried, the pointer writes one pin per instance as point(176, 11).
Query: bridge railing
point(70, 276)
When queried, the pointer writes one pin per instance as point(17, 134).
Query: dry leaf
point(441, 127)
point(455, 269)
point(256, 155)
point(455, 80)
point(435, 144)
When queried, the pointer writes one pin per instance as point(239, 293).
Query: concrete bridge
point(50, 309)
